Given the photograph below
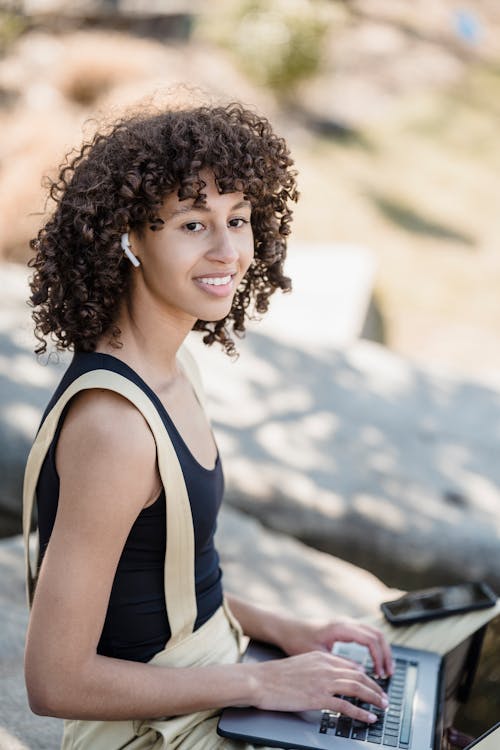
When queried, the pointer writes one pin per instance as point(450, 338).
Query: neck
point(150, 339)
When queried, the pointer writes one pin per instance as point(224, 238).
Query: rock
point(25, 386)
point(359, 453)
point(19, 728)
point(276, 571)
point(283, 573)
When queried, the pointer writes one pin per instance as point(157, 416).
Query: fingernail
point(385, 702)
point(372, 718)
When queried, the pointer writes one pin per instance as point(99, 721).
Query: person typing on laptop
point(167, 221)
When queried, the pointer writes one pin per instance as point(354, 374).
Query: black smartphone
point(440, 601)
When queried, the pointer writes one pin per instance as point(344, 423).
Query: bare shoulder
point(106, 440)
point(99, 416)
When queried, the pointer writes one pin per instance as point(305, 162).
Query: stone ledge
point(359, 453)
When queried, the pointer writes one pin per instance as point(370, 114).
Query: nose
point(224, 247)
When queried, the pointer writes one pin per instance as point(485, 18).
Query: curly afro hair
point(117, 182)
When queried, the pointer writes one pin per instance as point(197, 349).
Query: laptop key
point(358, 734)
point(392, 725)
point(359, 730)
point(411, 687)
point(391, 732)
point(390, 741)
point(343, 727)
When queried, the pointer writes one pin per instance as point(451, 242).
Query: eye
point(193, 226)
point(238, 222)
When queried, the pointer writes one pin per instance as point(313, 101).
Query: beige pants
point(218, 642)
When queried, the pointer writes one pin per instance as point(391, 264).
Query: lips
point(217, 284)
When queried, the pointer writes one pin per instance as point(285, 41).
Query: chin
point(213, 316)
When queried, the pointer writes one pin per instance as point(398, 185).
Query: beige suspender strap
point(180, 592)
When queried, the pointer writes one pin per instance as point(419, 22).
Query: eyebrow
point(186, 209)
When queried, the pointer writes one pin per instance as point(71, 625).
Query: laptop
point(490, 740)
point(413, 720)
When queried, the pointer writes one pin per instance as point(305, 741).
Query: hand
point(314, 681)
point(300, 637)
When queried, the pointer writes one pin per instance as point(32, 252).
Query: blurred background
point(391, 109)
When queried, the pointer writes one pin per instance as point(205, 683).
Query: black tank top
point(136, 625)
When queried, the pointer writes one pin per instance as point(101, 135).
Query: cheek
point(247, 254)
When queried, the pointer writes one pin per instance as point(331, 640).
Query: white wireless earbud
point(125, 243)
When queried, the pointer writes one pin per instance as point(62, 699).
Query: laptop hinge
point(439, 713)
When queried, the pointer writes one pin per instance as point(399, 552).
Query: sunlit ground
point(422, 192)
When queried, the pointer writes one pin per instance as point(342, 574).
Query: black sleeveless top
point(136, 625)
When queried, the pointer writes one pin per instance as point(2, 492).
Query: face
point(191, 268)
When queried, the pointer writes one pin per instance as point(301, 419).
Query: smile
point(215, 280)
point(217, 286)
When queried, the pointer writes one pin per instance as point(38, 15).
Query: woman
point(164, 223)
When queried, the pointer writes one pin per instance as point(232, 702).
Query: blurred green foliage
point(278, 43)
point(11, 27)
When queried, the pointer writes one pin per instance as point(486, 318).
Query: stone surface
point(358, 453)
point(18, 728)
point(275, 571)
point(25, 386)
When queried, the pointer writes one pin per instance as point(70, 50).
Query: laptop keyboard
point(393, 727)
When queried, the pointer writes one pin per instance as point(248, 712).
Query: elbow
point(39, 701)
point(37, 705)
point(48, 703)
point(47, 695)
point(43, 701)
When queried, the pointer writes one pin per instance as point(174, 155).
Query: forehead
point(173, 205)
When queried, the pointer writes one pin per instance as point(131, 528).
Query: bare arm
point(106, 460)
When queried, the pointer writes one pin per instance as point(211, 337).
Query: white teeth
point(216, 280)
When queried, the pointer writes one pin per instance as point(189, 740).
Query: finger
point(383, 650)
point(362, 679)
point(387, 656)
point(343, 663)
point(367, 636)
point(379, 651)
point(365, 693)
point(349, 709)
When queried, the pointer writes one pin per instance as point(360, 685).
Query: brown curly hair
point(117, 182)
